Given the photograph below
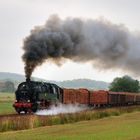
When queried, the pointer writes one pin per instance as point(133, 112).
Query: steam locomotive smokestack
point(105, 45)
point(28, 80)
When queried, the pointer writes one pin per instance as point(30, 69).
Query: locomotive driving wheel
point(18, 110)
point(34, 107)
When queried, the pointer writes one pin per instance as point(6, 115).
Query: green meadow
point(6, 101)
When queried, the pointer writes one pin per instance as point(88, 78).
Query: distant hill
point(11, 76)
point(5, 76)
point(84, 83)
point(77, 83)
point(15, 78)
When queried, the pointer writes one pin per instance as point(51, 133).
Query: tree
point(126, 84)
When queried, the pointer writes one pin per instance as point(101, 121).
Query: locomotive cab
point(31, 95)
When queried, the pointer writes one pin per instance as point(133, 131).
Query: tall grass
point(33, 121)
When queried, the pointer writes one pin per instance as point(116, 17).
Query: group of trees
point(125, 84)
point(7, 86)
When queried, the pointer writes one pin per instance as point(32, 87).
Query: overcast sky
point(18, 17)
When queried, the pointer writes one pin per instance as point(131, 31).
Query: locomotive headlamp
point(28, 100)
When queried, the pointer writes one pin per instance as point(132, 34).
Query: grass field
point(6, 107)
point(124, 127)
point(6, 101)
point(6, 97)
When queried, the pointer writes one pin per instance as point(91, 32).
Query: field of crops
point(6, 97)
point(124, 127)
point(6, 101)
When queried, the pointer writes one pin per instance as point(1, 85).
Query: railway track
point(14, 115)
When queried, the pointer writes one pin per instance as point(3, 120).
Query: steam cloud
point(104, 44)
point(61, 109)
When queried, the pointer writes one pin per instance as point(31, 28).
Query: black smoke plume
point(104, 44)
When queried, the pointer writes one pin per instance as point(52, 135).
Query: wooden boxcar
point(73, 96)
point(130, 98)
point(99, 98)
point(137, 98)
point(82, 96)
point(121, 98)
point(69, 96)
point(112, 98)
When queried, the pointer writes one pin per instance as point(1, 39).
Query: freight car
point(31, 96)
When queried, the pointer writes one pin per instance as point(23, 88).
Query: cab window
point(45, 89)
point(54, 90)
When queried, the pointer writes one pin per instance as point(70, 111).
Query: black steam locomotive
point(32, 95)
